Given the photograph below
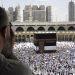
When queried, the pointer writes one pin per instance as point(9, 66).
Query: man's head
point(5, 31)
point(3, 18)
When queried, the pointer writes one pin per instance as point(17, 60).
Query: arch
point(23, 38)
point(71, 28)
point(19, 29)
point(32, 35)
point(41, 29)
point(51, 29)
point(27, 38)
point(19, 38)
point(61, 28)
point(30, 29)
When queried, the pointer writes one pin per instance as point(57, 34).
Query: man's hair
point(3, 18)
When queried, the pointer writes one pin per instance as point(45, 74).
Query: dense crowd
point(60, 63)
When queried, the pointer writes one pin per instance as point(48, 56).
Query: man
point(8, 64)
point(7, 50)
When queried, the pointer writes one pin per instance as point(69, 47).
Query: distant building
point(41, 7)
point(11, 14)
point(34, 13)
point(30, 13)
point(39, 15)
point(17, 14)
point(27, 7)
point(27, 13)
point(71, 11)
point(48, 14)
point(35, 7)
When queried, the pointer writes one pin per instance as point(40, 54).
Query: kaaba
point(45, 42)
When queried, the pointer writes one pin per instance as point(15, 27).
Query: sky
point(59, 7)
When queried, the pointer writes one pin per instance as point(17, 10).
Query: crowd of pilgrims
point(60, 63)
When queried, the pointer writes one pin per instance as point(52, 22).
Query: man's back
point(13, 67)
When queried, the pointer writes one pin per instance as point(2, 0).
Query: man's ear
point(1, 43)
point(6, 33)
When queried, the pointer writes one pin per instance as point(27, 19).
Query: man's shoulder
point(15, 67)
